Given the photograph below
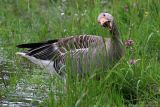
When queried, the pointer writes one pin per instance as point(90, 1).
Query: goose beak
point(105, 23)
point(102, 21)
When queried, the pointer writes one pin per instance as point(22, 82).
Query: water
point(21, 94)
point(17, 91)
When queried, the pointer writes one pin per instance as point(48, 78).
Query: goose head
point(105, 20)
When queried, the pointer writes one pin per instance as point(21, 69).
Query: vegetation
point(25, 21)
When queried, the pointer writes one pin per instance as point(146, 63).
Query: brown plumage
point(83, 50)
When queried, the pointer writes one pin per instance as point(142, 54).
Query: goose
point(82, 49)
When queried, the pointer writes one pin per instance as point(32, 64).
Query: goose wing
point(79, 42)
point(69, 43)
point(46, 52)
point(58, 56)
point(51, 50)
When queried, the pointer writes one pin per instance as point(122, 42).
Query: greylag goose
point(82, 49)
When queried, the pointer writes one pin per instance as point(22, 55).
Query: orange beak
point(102, 20)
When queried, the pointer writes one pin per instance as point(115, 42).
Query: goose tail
point(21, 54)
point(36, 45)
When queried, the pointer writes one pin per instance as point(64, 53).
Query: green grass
point(24, 21)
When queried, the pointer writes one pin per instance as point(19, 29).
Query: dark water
point(18, 91)
point(20, 94)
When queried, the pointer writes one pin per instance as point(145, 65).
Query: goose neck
point(114, 31)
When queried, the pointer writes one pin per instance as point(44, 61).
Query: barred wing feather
point(77, 48)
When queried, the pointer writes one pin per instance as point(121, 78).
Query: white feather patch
point(47, 64)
